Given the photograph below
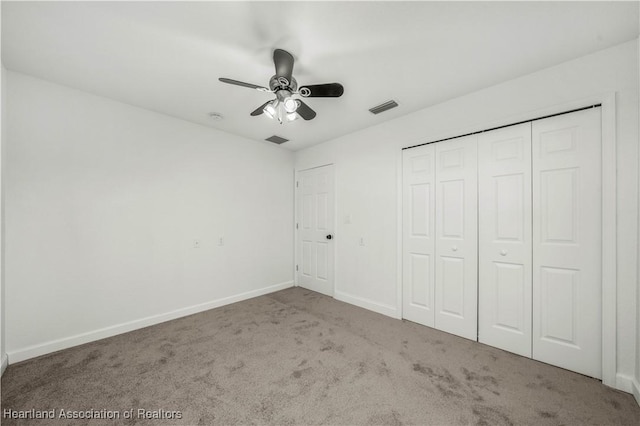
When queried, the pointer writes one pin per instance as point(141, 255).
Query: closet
point(502, 238)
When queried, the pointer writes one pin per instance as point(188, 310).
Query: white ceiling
point(167, 56)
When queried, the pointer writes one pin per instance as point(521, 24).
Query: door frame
point(607, 100)
point(296, 178)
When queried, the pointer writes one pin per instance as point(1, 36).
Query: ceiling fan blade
point(243, 84)
point(328, 90)
point(304, 111)
point(284, 64)
point(258, 111)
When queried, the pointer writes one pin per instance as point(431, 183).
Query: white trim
point(334, 189)
point(400, 233)
point(381, 308)
point(79, 339)
point(295, 230)
point(609, 210)
point(624, 383)
point(609, 240)
point(5, 362)
point(636, 390)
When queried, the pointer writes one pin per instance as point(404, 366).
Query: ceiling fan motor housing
point(276, 83)
point(283, 94)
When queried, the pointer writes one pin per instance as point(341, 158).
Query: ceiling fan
point(284, 107)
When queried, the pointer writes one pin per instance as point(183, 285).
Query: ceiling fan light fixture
point(270, 109)
point(292, 116)
point(290, 105)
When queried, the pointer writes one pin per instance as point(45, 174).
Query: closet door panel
point(418, 197)
point(456, 230)
point(567, 225)
point(504, 206)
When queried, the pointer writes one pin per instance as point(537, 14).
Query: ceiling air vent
point(277, 139)
point(384, 107)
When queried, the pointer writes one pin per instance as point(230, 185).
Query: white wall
point(103, 202)
point(3, 356)
point(3, 128)
point(636, 384)
point(3, 131)
point(368, 164)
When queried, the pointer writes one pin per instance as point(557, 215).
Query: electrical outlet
point(348, 219)
point(221, 241)
point(362, 241)
point(196, 243)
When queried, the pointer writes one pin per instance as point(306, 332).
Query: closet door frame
point(607, 100)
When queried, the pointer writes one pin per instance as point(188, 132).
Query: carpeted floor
point(297, 357)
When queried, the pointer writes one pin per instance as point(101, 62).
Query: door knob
point(503, 252)
point(454, 248)
point(329, 237)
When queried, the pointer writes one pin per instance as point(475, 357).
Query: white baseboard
point(636, 390)
point(624, 383)
point(381, 308)
point(79, 339)
point(5, 362)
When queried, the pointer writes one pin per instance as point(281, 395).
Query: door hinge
point(296, 267)
point(296, 226)
point(297, 183)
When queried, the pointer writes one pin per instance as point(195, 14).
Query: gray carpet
point(297, 357)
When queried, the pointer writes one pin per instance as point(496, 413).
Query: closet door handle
point(454, 248)
point(503, 252)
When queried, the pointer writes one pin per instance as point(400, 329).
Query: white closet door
point(456, 285)
point(418, 234)
point(504, 206)
point(567, 241)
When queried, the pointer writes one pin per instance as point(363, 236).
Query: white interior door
point(418, 182)
point(504, 206)
point(315, 224)
point(456, 261)
point(567, 241)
